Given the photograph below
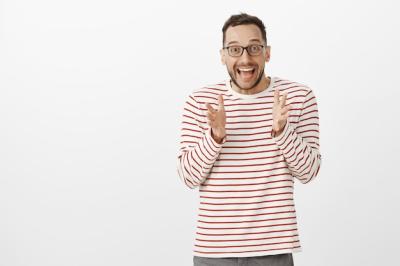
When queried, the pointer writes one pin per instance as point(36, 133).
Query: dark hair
point(244, 19)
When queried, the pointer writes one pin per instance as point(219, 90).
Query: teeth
point(246, 69)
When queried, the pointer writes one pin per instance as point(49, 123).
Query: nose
point(245, 57)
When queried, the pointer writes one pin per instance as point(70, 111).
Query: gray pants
point(269, 260)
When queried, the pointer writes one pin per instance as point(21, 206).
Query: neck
point(262, 85)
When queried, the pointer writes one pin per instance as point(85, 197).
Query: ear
point(267, 53)
point(223, 56)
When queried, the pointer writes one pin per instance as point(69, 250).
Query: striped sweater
point(246, 182)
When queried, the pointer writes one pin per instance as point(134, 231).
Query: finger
point(210, 116)
point(285, 117)
point(213, 114)
point(210, 108)
point(283, 101)
point(285, 109)
point(276, 96)
point(220, 102)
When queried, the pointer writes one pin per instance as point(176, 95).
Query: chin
point(247, 85)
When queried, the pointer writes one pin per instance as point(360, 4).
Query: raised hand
point(280, 113)
point(216, 119)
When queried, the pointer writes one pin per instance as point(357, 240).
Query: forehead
point(243, 34)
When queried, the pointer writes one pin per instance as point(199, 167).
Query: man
point(243, 142)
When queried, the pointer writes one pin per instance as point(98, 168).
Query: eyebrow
point(251, 40)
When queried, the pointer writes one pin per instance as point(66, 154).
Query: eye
point(235, 49)
point(255, 48)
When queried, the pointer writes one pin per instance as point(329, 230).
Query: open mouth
point(246, 73)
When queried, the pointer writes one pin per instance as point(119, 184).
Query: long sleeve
point(198, 150)
point(300, 145)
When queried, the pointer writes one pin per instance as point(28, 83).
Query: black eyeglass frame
point(244, 48)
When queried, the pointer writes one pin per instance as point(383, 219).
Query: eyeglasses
point(252, 49)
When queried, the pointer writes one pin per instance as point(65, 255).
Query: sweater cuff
point(284, 136)
point(213, 142)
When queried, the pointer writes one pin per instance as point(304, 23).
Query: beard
point(258, 80)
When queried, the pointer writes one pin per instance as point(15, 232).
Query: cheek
point(230, 64)
point(260, 64)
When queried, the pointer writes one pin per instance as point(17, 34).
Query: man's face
point(246, 71)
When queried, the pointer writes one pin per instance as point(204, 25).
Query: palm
point(217, 118)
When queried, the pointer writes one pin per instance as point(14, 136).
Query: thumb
point(220, 102)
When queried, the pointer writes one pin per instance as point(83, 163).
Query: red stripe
point(305, 125)
point(200, 158)
point(243, 203)
point(254, 171)
point(192, 166)
point(308, 106)
point(296, 156)
point(262, 103)
point(251, 221)
point(239, 191)
point(315, 137)
point(250, 184)
point(250, 209)
point(294, 149)
point(246, 239)
point(309, 112)
point(313, 142)
point(242, 246)
point(250, 122)
point(211, 88)
point(250, 146)
point(249, 134)
point(255, 233)
point(247, 251)
point(197, 126)
point(209, 146)
point(288, 159)
point(249, 109)
point(208, 156)
point(309, 130)
point(190, 129)
point(202, 115)
point(211, 91)
point(232, 228)
point(305, 119)
point(198, 173)
point(191, 156)
point(190, 136)
point(248, 197)
point(212, 141)
point(249, 152)
point(247, 140)
point(247, 165)
point(207, 97)
point(244, 215)
point(190, 111)
point(252, 115)
point(192, 118)
point(246, 128)
point(252, 158)
point(298, 169)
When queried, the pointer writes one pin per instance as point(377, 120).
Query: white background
point(91, 96)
